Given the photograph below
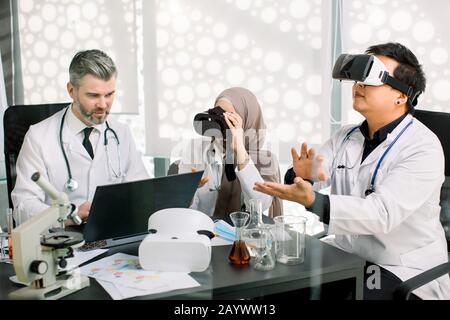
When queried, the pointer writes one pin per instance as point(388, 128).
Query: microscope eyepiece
point(35, 177)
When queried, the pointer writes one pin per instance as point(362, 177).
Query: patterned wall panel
point(52, 31)
point(420, 25)
point(275, 49)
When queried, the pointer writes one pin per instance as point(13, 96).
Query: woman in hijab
point(232, 168)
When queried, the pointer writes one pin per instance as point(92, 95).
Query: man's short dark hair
point(409, 71)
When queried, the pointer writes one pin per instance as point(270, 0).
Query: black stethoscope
point(371, 187)
point(71, 184)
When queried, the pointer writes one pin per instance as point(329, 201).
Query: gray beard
point(88, 115)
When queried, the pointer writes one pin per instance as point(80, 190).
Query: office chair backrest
point(439, 123)
point(16, 121)
point(173, 168)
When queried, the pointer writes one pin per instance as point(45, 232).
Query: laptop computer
point(119, 212)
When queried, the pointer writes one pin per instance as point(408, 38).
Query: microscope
point(40, 249)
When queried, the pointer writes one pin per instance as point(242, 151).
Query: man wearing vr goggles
point(385, 175)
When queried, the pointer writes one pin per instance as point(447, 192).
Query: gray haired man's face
point(93, 99)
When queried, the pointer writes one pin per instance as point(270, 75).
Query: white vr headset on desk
point(179, 241)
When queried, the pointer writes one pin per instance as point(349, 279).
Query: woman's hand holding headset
point(234, 121)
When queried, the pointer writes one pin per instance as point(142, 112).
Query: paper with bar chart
point(123, 270)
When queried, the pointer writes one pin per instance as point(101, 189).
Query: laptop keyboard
point(93, 245)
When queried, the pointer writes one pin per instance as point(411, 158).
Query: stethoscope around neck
point(213, 165)
point(71, 184)
point(371, 188)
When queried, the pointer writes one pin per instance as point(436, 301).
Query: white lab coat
point(41, 152)
point(398, 225)
point(195, 154)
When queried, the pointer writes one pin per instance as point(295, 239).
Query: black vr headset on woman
point(212, 123)
point(369, 70)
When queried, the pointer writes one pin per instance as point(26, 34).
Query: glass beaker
point(239, 254)
point(255, 209)
point(260, 241)
point(290, 238)
point(6, 239)
point(10, 221)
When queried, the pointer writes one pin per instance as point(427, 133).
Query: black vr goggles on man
point(369, 70)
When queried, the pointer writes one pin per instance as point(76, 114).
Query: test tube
point(3, 241)
point(10, 223)
point(5, 238)
point(17, 218)
point(255, 213)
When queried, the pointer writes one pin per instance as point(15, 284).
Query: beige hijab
point(247, 106)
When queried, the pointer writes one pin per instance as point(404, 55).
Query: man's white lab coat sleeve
point(28, 198)
point(247, 178)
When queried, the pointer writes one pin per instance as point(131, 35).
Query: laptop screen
point(122, 210)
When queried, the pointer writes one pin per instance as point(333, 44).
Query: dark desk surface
point(323, 263)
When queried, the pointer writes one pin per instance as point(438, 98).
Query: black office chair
point(16, 121)
point(173, 168)
point(439, 123)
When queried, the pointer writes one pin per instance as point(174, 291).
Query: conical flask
point(239, 254)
